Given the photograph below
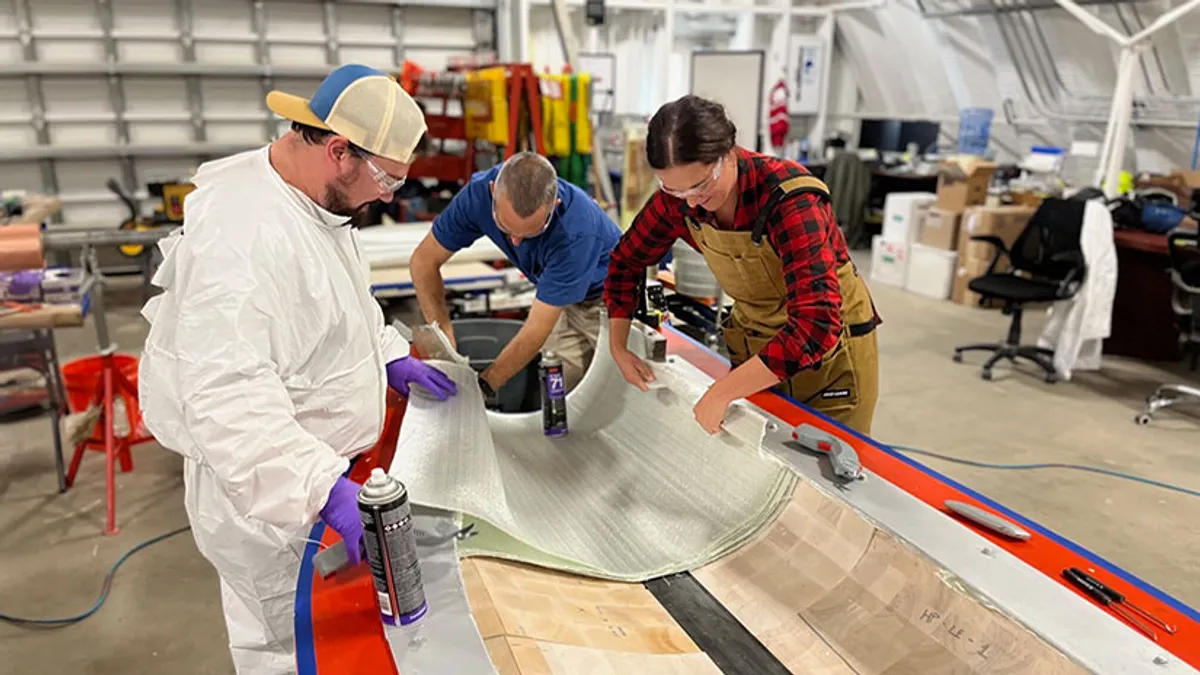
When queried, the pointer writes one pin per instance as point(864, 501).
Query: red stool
point(103, 380)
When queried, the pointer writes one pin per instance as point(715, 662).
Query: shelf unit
point(204, 68)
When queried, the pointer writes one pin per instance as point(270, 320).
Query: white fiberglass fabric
point(393, 245)
point(636, 490)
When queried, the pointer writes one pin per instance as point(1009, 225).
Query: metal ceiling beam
point(1034, 5)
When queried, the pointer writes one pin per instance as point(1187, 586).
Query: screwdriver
point(1118, 598)
point(1095, 590)
point(1099, 592)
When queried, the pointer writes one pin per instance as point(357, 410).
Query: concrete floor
point(164, 614)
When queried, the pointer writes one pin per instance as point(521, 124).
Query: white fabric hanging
point(1076, 328)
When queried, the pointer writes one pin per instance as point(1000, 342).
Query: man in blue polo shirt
point(550, 230)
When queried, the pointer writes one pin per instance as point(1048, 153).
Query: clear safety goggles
point(545, 225)
point(386, 182)
point(703, 187)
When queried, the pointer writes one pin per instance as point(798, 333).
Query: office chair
point(1183, 246)
point(1047, 266)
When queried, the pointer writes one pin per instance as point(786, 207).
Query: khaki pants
point(574, 338)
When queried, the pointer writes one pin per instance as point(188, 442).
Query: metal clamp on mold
point(654, 343)
point(842, 458)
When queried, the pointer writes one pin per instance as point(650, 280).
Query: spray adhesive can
point(554, 396)
point(392, 548)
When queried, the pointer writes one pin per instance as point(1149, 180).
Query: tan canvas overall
point(846, 384)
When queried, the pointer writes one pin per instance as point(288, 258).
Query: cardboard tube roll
point(21, 247)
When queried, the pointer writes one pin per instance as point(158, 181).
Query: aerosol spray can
point(392, 548)
point(554, 396)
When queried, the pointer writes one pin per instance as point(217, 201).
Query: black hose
point(120, 192)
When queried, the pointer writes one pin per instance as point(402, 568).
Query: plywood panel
point(487, 617)
point(511, 599)
point(571, 660)
point(823, 585)
point(541, 622)
point(516, 656)
point(524, 656)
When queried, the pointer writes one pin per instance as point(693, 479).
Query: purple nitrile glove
point(341, 513)
point(24, 282)
point(405, 371)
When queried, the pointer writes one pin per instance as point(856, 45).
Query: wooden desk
point(1140, 240)
point(46, 316)
point(1143, 325)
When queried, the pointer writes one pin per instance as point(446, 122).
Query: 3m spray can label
point(554, 397)
point(392, 553)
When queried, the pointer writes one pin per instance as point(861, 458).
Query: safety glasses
point(387, 183)
point(545, 225)
point(702, 188)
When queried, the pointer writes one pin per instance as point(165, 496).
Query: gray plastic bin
point(481, 341)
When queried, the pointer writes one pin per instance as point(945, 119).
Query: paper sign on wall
point(603, 68)
point(805, 74)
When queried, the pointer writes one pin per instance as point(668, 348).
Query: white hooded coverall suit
point(264, 368)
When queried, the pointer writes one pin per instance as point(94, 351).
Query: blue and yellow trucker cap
point(363, 104)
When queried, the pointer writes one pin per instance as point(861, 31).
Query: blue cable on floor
point(1049, 465)
point(108, 579)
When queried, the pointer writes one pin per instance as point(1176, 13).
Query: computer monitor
point(924, 134)
point(895, 135)
point(882, 135)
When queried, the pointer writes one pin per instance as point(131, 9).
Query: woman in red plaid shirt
point(802, 319)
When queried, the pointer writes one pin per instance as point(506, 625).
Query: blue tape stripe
point(1098, 561)
point(448, 282)
point(306, 653)
point(1095, 558)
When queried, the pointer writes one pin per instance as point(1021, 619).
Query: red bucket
point(82, 376)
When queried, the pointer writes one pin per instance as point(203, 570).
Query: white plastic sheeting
point(635, 491)
point(393, 245)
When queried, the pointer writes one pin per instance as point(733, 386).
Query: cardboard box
point(963, 183)
point(1006, 222)
point(902, 213)
point(1029, 199)
point(889, 261)
point(939, 229)
point(931, 271)
point(1191, 179)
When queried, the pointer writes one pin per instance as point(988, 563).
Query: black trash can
point(481, 341)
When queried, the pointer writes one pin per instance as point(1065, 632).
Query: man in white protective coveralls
point(267, 361)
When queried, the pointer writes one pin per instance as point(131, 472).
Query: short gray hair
point(529, 181)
